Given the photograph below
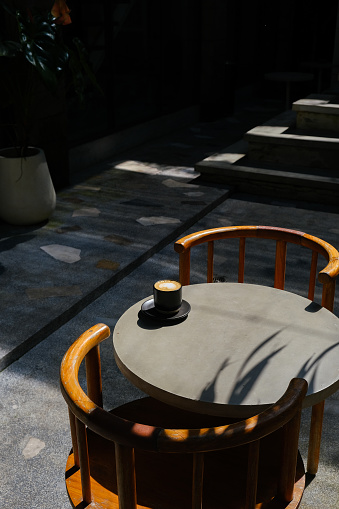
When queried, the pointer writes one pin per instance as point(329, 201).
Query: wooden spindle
point(327, 300)
point(289, 458)
point(185, 267)
point(315, 438)
point(197, 484)
point(280, 264)
point(210, 257)
point(93, 375)
point(313, 275)
point(84, 461)
point(241, 270)
point(125, 466)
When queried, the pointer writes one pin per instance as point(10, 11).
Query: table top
point(236, 351)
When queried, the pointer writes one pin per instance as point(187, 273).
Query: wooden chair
point(282, 237)
point(145, 454)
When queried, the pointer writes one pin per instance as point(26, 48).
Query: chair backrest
point(282, 236)
point(86, 413)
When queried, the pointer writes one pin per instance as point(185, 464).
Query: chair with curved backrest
point(282, 237)
point(146, 454)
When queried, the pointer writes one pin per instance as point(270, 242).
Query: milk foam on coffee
point(167, 285)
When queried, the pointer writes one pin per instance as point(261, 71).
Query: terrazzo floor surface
point(99, 232)
point(34, 416)
point(110, 238)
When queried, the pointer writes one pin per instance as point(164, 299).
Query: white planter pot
point(27, 194)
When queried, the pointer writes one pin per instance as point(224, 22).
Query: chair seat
point(164, 481)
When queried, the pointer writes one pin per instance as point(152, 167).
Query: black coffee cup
point(167, 296)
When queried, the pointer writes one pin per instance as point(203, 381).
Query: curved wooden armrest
point(326, 275)
point(194, 239)
point(331, 271)
point(96, 418)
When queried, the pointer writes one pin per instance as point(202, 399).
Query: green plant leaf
point(36, 50)
point(41, 48)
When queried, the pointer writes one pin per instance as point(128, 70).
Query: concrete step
point(234, 168)
point(318, 111)
point(278, 141)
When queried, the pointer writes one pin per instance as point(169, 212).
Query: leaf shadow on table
point(208, 393)
point(245, 380)
point(311, 363)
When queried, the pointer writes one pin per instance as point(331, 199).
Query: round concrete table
point(236, 351)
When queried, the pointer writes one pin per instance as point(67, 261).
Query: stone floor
point(110, 238)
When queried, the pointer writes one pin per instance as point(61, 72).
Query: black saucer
point(149, 311)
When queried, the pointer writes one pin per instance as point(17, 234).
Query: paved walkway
point(110, 238)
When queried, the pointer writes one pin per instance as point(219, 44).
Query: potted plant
point(33, 59)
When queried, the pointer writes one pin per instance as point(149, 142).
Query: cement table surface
point(236, 351)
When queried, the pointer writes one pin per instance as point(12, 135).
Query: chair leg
point(315, 438)
point(84, 461)
point(72, 423)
